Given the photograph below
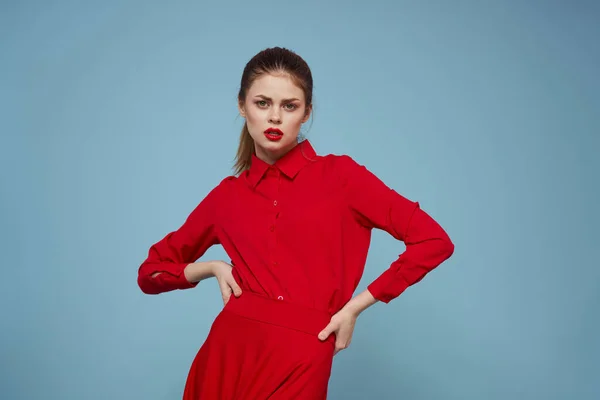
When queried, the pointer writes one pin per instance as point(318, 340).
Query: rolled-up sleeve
point(375, 205)
point(179, 248)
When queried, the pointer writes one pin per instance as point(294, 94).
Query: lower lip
point(273, 136)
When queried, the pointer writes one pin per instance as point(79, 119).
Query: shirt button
point(275, 203)
point(279, 297)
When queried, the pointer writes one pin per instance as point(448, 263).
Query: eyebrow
point(270, 99)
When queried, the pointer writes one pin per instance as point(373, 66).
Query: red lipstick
point(273, 134)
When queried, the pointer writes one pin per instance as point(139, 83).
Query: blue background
point(117, 117)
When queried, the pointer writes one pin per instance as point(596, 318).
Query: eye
point(261, 103)
point(293, 106)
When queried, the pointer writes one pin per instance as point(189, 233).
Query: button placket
point(274, 217)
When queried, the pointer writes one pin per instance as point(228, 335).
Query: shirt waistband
point(279, 312)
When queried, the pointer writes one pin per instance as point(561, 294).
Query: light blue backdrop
point(117, 117)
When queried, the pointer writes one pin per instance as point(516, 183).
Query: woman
point(297, 228)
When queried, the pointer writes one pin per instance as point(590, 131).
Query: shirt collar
point(290, 164)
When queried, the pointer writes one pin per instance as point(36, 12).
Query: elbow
point(145, 286)
point(146, 283)
point(447, 248)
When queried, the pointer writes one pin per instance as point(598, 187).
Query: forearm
point(360, 302)
point(198, 271)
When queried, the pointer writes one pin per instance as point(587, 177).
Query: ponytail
point(245, 151)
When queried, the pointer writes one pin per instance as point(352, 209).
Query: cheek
point(293, 124)
point(253, 117)
point(255, 122)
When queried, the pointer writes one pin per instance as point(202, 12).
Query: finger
point(225, 289)
point(324, 334)
point(341, 345)
point(338, 349)
point(226, 297)
point(225, 292)
point(344, 335)
point(341, 340)
point(237, 291)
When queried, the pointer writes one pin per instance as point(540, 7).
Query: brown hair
point(276, 60)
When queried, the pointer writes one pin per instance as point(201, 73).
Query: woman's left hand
point(342, 324)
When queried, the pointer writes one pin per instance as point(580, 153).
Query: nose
point(274, 117)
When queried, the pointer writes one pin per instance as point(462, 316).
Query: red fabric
point(300, 230)
point(286, 359)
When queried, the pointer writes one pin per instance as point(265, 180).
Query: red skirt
point(259, 348)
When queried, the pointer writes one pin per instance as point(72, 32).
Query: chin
point(284, 143)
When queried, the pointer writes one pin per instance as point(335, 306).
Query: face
point(274, 101)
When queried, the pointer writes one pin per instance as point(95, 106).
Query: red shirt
point(299, 231)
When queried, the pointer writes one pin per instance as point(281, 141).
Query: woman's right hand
point(227, 284)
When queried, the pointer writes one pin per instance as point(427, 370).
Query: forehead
point(276, 87)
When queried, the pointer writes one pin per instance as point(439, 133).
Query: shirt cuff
point(388, 286)
point(181, 281)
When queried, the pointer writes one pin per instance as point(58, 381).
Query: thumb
point(326, 332)
point(235, 287)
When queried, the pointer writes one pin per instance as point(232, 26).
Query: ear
point(241, 109)
point(307, 113)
